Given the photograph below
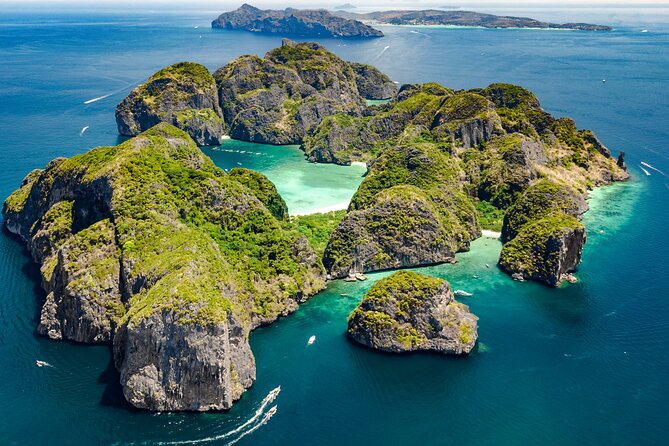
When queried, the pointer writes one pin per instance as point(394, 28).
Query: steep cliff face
point(545, 250)
point(411, 209)
point(412, 312)
point(300, 22)
point(184, 95)
point(149, 244)
point(277, 99)
point(372, 83)
point(458, 119)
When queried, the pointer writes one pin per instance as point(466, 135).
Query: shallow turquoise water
point(582, 364)
point(306, 187)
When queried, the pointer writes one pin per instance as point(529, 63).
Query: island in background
point(462, 18)
point(341, 23)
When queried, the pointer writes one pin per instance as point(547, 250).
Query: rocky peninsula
point(431, 17)
point(408, 311)
point(295, 22)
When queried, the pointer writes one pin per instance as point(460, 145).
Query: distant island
point(345, 6)
point(298, 22)
point(462, 18)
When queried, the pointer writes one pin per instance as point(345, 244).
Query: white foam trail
point(653, 167)
point(645, 171)
point(271, 396)
point(81, 133)
point(90, 101)
point(270, 413)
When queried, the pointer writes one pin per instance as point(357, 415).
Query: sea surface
point(583, 364)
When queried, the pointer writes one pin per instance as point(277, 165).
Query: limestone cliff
point(184, 95)
point(278, 98)
point(150, 245)
point(408, 311)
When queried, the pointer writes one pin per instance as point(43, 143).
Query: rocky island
point(150, 247)
point(408, 311)
point(432, 17)
point(296, 22)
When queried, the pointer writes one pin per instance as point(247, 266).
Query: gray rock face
point(278, 99)
point(412, 312)
point(119, 264)
point(301, 22)
point(183, 95)
point(545, 250)
point(372, 83)
point(166, 365)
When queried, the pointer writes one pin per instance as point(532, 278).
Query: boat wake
point(382, 52)
point(90, 101)
point(39, 363)
point(645, 171)
point(81, 133)
point(244, 429)
point(650, 166)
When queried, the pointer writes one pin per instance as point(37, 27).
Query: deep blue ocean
point(583, 364)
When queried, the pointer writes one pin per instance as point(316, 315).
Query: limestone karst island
point(443, 222)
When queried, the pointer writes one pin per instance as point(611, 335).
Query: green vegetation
point(542, 199)
point(317, 228)
point(205, 242)
point(534, 251)
point(490, 217)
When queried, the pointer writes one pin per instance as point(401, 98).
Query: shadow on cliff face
point(113, 393)
point(31, 271)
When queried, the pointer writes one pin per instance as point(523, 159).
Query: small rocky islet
point(150, 247)
point(408, 312)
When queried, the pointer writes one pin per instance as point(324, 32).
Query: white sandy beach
point(490, 234)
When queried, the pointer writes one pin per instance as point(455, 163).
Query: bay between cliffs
point(306, 187)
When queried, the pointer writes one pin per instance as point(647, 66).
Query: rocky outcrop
point(372, 83)
point(545, 250)
point(140, 244)
point(279, 98)
point(410, 209)
point(299, 22)
point(540, 200)
point(408, 311)
point(184, 95)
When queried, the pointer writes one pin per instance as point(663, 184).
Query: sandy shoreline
point(490, 234)
point(334, 207)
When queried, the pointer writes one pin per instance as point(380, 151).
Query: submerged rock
point(150, 245)
point(408, 311)
point(184, 95)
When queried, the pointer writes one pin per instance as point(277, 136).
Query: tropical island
point(150, 247)
point(341, 23)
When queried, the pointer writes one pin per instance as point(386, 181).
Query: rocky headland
point(408, 312)
point(151, 247)
point(295, 22)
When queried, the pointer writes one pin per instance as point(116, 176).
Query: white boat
point(462, 293)
point(311, 340)
point(39, 363)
